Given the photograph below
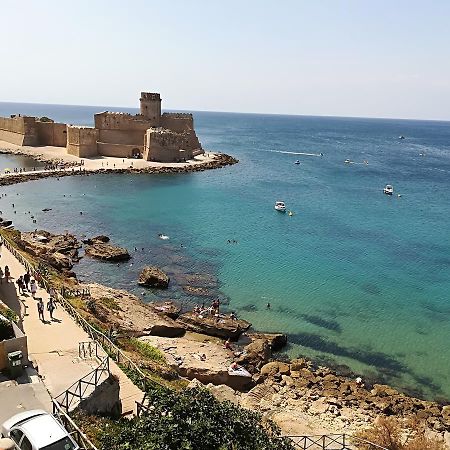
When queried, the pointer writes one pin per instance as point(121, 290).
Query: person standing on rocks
point(40, 307)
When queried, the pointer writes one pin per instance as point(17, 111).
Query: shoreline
point(299, 395)
point(68, 165)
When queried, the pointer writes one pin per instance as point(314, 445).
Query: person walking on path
point(33, 288)
point(51, 306)
point(19, 283)
point(40, 307)
point(26, 280)
point(7, 274)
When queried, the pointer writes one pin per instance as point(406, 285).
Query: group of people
point(25, 283)
point(213, 310)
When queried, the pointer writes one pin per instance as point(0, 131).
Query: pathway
point(53, 344)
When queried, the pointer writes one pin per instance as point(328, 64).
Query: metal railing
point(84, 387)
point(332, 442)
point(77, 435)
point(141, 379)
point(88, 349)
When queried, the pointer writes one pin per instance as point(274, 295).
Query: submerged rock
point(107, 252)
point(152, 276)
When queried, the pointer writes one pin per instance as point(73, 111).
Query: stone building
point(167, 137)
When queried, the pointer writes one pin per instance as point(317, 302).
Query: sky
point(358, 58)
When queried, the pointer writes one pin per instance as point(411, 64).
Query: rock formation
point(106, 252)
point(154, 277)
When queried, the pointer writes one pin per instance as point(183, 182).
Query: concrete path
point(53, 343)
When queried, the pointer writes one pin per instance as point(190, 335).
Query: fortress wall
point(129, 137)
point(166, 146)
point(19, 130)
point(50, 133)
point(82, 141)
point(177, 122)
point(121, 121)
point(118, 150)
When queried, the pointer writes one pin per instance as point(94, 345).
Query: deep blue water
point(355, 277)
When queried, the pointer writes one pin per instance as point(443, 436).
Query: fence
point(331, 442)
point(140, 378)
point(84, 387)
point(77, 435)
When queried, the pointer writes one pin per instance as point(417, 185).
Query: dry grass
point(388, 432)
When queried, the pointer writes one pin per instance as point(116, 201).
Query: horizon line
point(238, 112)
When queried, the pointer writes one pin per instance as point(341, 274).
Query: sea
point(359, 280)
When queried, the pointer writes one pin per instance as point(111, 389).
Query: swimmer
point(268, 305)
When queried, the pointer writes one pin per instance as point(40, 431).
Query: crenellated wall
point(82, 141)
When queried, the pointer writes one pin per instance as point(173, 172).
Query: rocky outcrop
point(224, 326)
point(128, 314)
point(106, 252)
point(154, 277)
point(99, 239)
point(59, 250)
point(168, 308)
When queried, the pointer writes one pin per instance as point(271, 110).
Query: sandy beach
point(55, 155)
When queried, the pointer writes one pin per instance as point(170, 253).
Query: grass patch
point(147, 350)
point(110, 303)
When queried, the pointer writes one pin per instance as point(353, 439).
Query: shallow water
point(355, 277)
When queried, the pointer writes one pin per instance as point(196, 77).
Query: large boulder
point(255, 354)
point(59, 261)
point(107, 252)
point(154, 277)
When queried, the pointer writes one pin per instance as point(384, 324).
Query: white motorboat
point(297, 162)
point(388, 189)
point(280, 206)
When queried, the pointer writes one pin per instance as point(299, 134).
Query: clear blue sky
point(378, 58)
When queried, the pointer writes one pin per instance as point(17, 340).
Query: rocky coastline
point(298, 395)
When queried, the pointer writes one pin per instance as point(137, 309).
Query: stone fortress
point(167, 137)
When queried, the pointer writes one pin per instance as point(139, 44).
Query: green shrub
point(147, 350)
point(193, 420)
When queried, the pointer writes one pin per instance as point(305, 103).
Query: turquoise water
point(355, 277)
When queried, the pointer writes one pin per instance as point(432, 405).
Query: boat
point(290, 213)
point(401, 137)
point(164, 237)
point(348, 161)
point(388, 189)
point(297, 162)
point(280, 206)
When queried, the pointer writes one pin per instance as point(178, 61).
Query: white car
point(37, 430)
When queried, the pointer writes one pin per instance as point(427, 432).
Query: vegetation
point(389, 433)
point(8, 313)
point(147, 350)
point(6, 330)
point(110, 303)
point(192, 420)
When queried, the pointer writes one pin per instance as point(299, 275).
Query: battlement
point(154, 96)
point(177, 115)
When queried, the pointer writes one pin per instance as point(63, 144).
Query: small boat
point(348, 161)
point(401, 137)
point(280, 206)
point(297, 162)
point(164, 237)
point(388, 189)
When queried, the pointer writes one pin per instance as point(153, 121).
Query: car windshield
point(63, 444)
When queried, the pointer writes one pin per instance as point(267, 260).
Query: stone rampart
point(82, 141)
point(121, 121)
point(118, 150)
point(166, 146)
point(51, 133)
point(128, 137)
point(19, 130)
point(177, 122)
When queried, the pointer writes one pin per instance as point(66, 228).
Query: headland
point(150, 141)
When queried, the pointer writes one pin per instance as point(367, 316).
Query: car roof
point(21, 417)
point(43, 430)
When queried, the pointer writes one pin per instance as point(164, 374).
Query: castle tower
point(151, 107)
